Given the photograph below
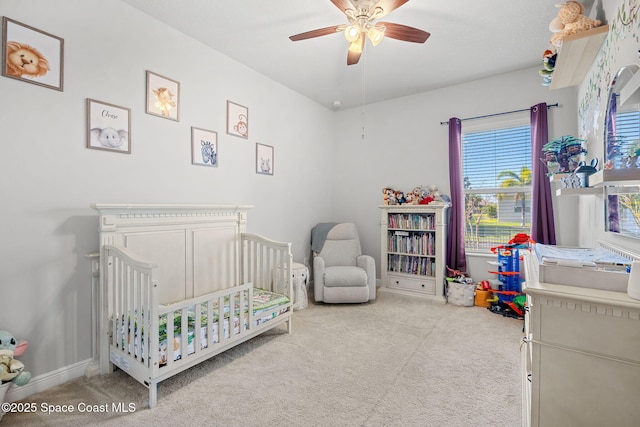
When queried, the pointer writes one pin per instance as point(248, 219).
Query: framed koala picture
point(108, 127)
point(31, 55)
point(264, 159)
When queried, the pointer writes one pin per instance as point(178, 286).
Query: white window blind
point(497, 185)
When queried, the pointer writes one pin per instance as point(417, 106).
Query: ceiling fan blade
point(355, 50)
point(353, 57)
point(317, 33)
point(389, 5)
point(342, 4)
point(404, 32)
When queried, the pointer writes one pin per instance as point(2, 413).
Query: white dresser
point(580, 355)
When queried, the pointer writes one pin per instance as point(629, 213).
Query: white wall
point(49, 178)
point(406, 146)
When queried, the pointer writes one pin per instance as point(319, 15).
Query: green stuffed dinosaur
point(10, 368)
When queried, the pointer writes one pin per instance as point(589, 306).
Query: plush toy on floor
point(570, 20)
point(10, 368)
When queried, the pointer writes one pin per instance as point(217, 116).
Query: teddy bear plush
point(12, 369)
point(389, 196)
point(570, 20)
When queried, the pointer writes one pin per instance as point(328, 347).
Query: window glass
point(497, 185)
point(625, 201)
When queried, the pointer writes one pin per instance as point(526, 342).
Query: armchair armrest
point(318, 277)
point(367, 263)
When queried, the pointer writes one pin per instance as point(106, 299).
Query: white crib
point(190, 266)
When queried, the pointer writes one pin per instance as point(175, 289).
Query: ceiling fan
point(361, 15)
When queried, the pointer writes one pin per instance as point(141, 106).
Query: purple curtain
point(543, 229)
point(456, 257)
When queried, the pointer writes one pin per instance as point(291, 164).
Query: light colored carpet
point(396, 361)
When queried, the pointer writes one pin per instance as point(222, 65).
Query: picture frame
point(264, 159)
point(163, 96)
point(204, 147)
point(108, 127)
point(237, 120)
point(45, 51)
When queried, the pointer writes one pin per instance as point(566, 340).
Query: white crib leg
point(289, 325)
point(153, 394)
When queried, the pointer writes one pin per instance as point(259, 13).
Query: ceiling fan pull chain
point(364, 65)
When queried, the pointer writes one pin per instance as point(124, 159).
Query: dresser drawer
point(424, 285)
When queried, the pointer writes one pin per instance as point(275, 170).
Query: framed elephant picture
point(108, 127)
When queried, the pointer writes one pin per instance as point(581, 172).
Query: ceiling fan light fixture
point(356, 46)
point(352, 33)
point(375, 34)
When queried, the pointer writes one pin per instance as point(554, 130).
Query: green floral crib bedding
point(263, 301)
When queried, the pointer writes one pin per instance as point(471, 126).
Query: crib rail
point(267, 264)
point(630, 255)
point(130, 294)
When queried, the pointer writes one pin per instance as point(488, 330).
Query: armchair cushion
point(345, 276)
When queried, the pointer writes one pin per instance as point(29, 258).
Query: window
point(497, 176)
point(624, 201)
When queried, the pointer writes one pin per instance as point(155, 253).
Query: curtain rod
point(499, 114)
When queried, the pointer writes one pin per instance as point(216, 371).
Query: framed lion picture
point(32, 55)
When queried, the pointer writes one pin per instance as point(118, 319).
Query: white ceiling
point(470, 39)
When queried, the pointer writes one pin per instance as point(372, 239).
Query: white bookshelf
point(413, 250)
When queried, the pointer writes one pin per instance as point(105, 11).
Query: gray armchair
point(341, 273)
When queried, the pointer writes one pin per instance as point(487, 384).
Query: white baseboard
point(48, 380)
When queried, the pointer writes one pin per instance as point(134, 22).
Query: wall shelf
point(576, 56)
point(583, 191)
point(615, 177)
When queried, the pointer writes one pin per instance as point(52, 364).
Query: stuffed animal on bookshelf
point(400, 200)
point(433, 191)
point(12, 369)
point(388, 196)
point(570, 20)
point(414, 196)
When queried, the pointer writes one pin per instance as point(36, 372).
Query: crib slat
point(221, 316)
point(184, 335)
point(169, 355)
point(210, 323)
point(197, 332)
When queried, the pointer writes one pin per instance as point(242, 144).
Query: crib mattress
point(263, 301)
